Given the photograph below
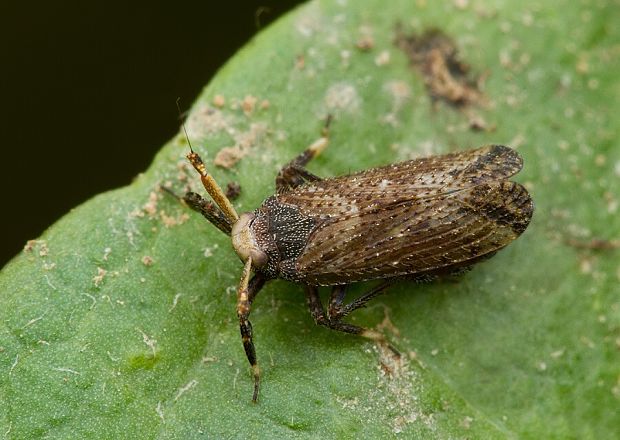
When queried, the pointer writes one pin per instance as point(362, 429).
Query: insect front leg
point(245, 295)
point(294, 174)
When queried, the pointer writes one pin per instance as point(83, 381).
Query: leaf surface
point(119, 322)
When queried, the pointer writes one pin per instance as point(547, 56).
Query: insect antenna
point(183, 125)
point(209, 183)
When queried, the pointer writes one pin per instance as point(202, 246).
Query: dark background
point(88, 93)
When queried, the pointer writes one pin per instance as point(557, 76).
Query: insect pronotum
point(419, 220)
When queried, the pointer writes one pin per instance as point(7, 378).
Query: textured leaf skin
point(98, 341)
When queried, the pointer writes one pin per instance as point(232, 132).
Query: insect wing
point(415, 217)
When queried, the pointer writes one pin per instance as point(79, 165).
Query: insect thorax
point(282, 232)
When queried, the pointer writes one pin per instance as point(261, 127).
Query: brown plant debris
point(233, 189)
point(446, 77)
point(594, 244)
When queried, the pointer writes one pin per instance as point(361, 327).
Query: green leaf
point(119, 322)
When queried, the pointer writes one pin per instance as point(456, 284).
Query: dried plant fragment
point(446, 77)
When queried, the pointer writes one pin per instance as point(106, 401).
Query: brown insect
point(419, 220)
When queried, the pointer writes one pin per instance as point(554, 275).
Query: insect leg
point(318, 314)
point(335, 300)
point(337, 312)
point(314, 304)
point(244, 301)
point(255, 285)
point(294, 174)
point(208, 209)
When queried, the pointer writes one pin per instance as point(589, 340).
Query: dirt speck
point(615, 390)
point(300, 62)
point(586, 265)
point(541, 366)
point(345, 57)
point(594, 243)
point(98, 279)
point(478, 123)
point(600, 160)
point(309, 23)
point(365, 43)
point(399, 381)
point(517, 141)
point(208, 251)
point(383, 58)
point(583, 65)
point(446, 77)
point(387, 324)
point(461, 4)
point(208, 120)
point(342, 96)
point(249, 104)
point(527, 19)
point(397, 390)
point(219, 101)
point(466, 422)
point(400, 92)
point(150, 207)
point(611, 201)
point(38, 246)
point(587, 342)
point(233, 189)
point(147, 260)
point(170, 221)
point(227, 157)
point(43, 250)
point(557, 353)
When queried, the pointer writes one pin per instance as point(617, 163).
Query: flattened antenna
point(209, 183)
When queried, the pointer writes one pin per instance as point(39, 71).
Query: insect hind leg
point(333, 319)
point(294, 174)
point(336, 311)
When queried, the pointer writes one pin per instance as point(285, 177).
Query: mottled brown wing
point(420, 178)
point(443, 217)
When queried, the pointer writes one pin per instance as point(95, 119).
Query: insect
point(418, 220)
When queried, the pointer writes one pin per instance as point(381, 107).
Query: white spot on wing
point(384, 184)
